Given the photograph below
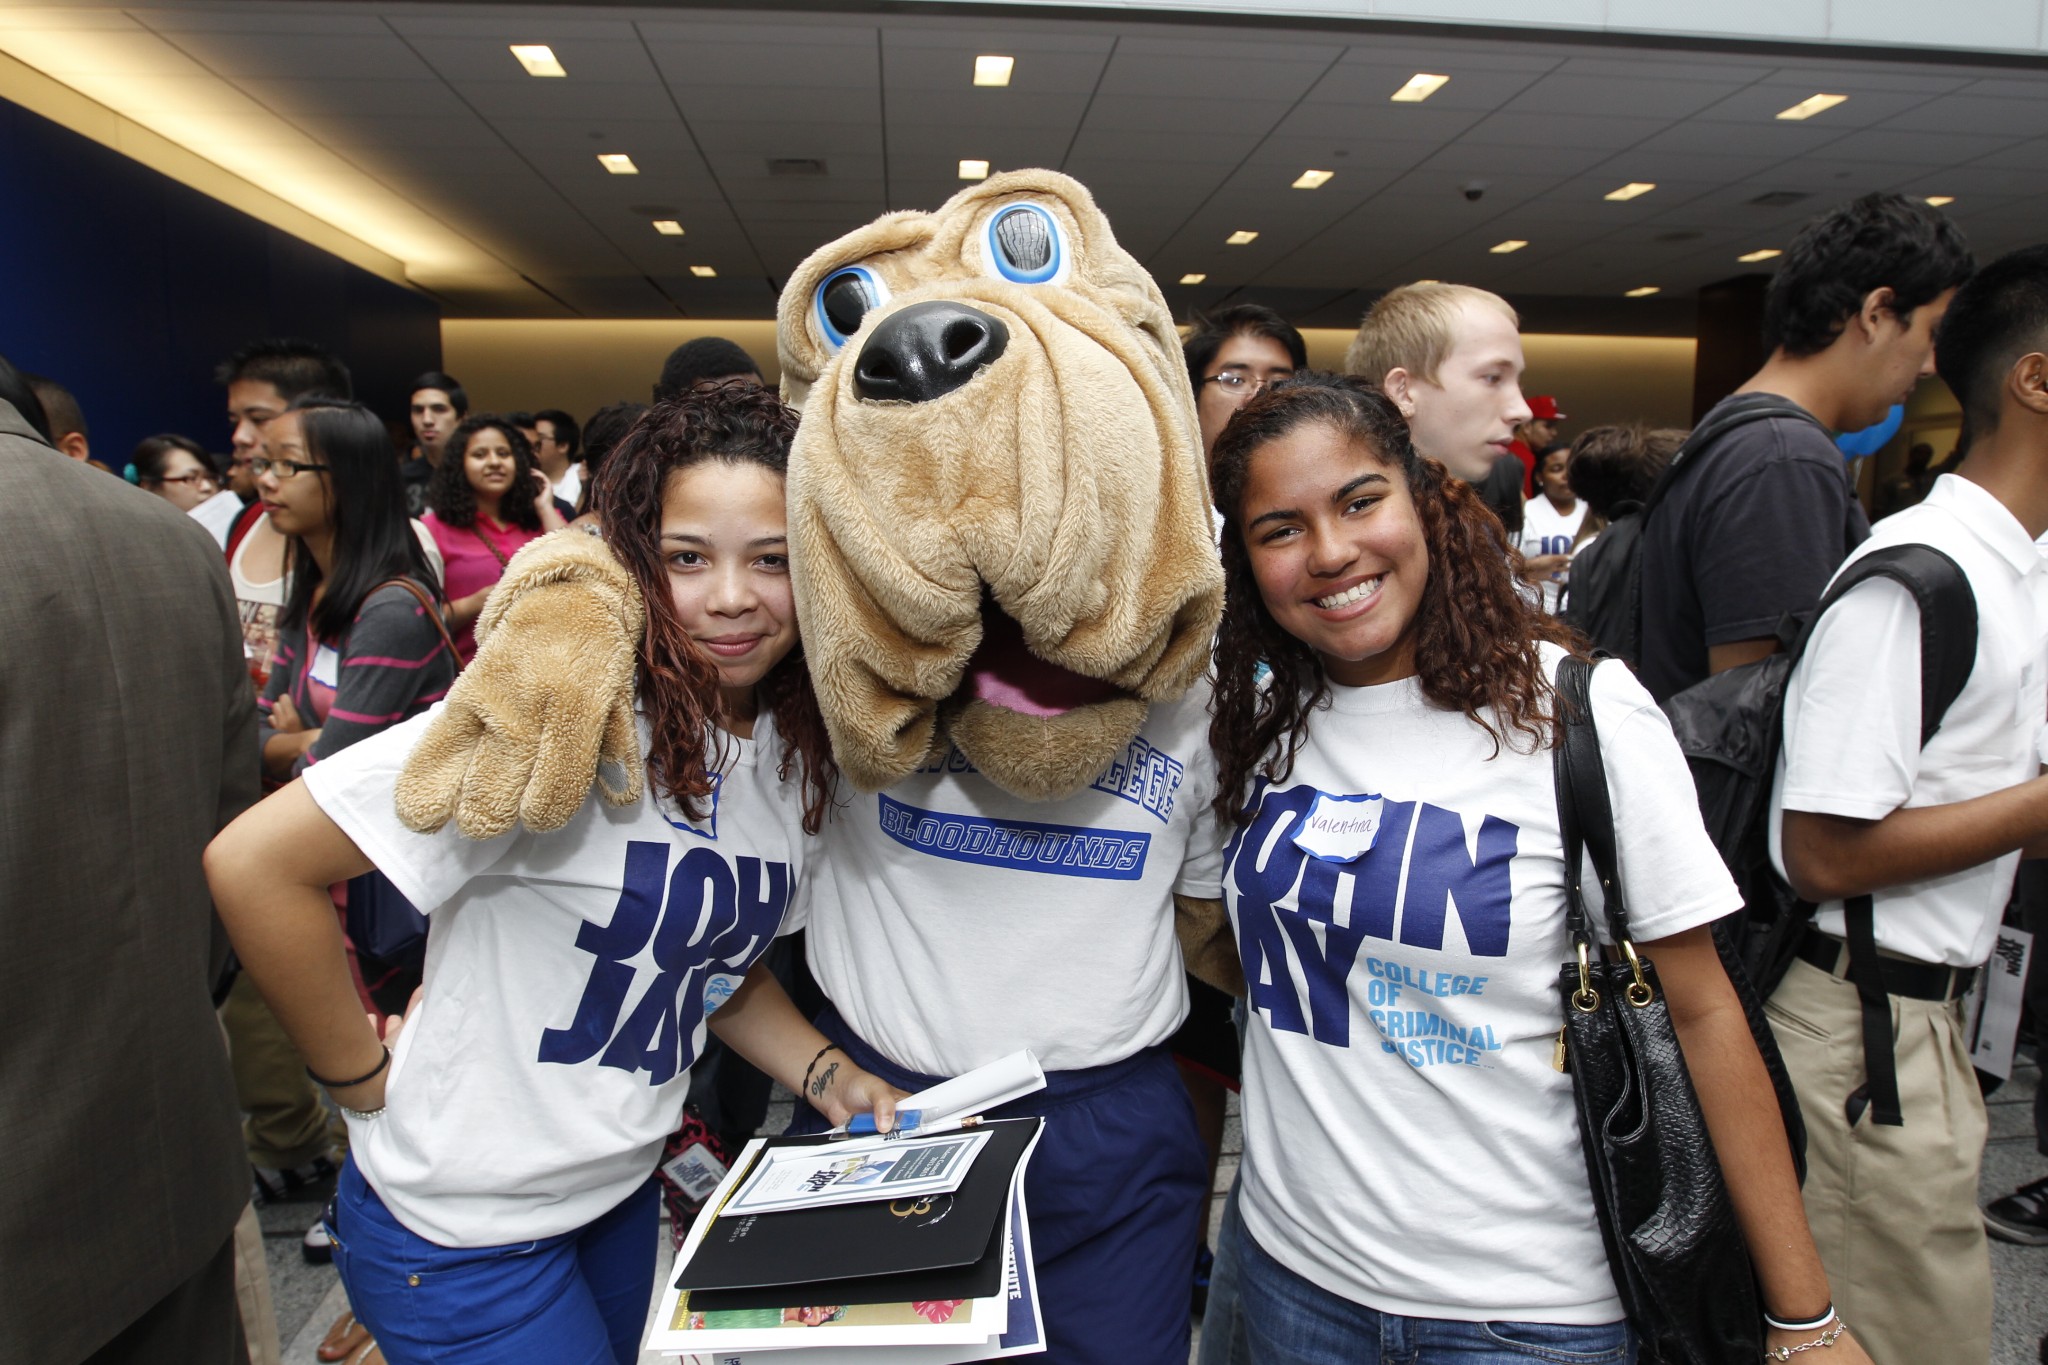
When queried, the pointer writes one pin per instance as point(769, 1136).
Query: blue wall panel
point(128, 288)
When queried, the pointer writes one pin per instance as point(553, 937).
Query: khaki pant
point(252, 1291)
point(1894, 1210)
point(287, 1125)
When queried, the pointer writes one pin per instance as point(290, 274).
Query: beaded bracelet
point(814, 1066)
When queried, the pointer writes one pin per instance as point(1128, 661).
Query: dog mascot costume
point(1007, 587)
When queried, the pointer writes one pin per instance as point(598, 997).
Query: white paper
point(977, 1091)
point(857, 1172)
point(1996, 1000)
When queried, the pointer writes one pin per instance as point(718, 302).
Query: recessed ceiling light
point(1764, 254)
point(1420, 87)
point(703, 272)
point(1811, 105)
point(1511, 244)
point(993, 70)
point(538, 59)
point(1193, 277)
point(1640, 291)
point(973, 170)
point(1937, 200)
point(668, 227)
point(1312, 180)
point(1241, 238)
point(1634, 189)
point(618, 163)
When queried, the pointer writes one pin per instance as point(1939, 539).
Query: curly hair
point(678, 685)
point(1475, 634)
point(452, 499)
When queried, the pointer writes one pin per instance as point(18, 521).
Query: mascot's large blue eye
point(1024, 244)
point(845, 297)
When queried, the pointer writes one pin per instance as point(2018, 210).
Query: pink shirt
point(471, 566)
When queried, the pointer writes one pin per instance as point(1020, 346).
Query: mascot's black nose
point(927, 351)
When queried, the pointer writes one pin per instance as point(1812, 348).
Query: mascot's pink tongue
point(1003, 672)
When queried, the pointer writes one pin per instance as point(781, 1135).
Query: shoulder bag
point(1679, 1259)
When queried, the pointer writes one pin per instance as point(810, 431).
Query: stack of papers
point(858, 1251)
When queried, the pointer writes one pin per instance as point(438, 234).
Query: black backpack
point(1730, 727)
point(1605, 602)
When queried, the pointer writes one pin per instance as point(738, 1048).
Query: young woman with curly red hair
point(498, 1203)
point(1413, 1182)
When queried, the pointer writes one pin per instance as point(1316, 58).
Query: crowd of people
point(1410, 556)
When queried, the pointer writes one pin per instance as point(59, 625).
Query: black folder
point(882, 1251)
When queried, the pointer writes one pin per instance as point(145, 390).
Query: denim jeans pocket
point(1566, 1343)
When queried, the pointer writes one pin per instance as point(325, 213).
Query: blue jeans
point(579, 1298)
point(1287, 1320)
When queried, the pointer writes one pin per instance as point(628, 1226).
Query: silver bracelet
point(1825, 1339)
point(1813, 1324)
point(363, 1115)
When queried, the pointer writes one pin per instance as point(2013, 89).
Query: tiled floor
point(308, 1297)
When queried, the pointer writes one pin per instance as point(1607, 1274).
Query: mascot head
point(999, 516)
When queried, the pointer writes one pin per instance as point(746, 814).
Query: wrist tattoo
point(824, 1081)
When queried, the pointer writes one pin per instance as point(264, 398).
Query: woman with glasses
point(488, 498)
point(178, 470)
point(357, 650)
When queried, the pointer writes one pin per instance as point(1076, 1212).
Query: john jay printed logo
point(707, 921)
point(1314, 876)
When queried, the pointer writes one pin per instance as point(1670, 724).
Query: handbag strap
point(1583, 791)
point(432, 609)
point(489, 544)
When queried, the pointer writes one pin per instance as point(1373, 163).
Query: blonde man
point(1450, 356)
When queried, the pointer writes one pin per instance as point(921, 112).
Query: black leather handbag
point(1678, 1255)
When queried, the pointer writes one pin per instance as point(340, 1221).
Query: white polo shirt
point(1852, 715)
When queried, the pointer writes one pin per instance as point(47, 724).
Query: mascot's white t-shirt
point(568, 976)
point(953, 923)
point(1408, 1143)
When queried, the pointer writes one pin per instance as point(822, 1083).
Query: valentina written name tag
point(1340, 829)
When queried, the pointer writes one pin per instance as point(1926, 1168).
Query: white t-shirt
point(953, 923)
point(1547, 531)
point(571, 483)
point(1408, 1143)
point(1852, 715)
point(568, 976)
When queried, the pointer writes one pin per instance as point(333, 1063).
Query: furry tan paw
point(1207, 946)
point(546, 701)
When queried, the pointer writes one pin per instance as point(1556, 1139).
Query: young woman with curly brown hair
point(498, 1202)
point(1413, 1182)
point(487, 499)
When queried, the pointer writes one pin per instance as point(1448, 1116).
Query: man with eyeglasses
point(1232, 355)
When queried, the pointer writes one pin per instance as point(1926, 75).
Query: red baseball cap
point(1543, 408)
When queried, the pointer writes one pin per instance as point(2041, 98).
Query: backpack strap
point(1726, 416)
point(1948, 651)
point(1738, 411)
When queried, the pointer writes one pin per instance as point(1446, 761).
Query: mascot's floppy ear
point(548, 698)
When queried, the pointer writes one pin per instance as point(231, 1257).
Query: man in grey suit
point(127, 738)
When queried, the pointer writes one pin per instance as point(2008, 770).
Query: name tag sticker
point(1340, 829)
point(327, 666)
